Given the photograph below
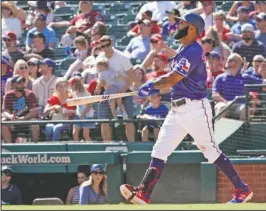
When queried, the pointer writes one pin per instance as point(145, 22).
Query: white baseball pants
point(194, 118)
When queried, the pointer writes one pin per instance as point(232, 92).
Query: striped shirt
point(75, 199)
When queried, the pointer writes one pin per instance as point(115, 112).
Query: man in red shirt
point(214, 67)
point(83, 21)
point(158, 66)
point(19, 104)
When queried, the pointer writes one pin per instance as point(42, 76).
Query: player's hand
point(148, 89)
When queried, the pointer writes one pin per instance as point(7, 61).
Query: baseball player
point(190, 113)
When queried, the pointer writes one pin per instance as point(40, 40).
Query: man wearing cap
point(248, 47)
point(6, 73)
point(40, 26)
point(243, 18)
point(190, 113)
point(19, 104)
point(84, 20)
point(260, 34)
point(139, 47)
point(136, 29)
point(43, 87)
point(158, 66)
point(12, 51)
point(214, 67)
point(10, 194)
point(170, 26)
point(39, 48)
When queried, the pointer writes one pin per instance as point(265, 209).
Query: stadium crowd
point(37, 80)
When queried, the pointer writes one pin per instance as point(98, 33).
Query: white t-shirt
point(158, 9)
point(11, 25)
point(209, 21)
point(81, 108)
point(43, 90)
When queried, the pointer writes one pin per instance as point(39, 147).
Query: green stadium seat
point(64, 64)
point(109, 18)
point(118, 31)
point(124, 41)
point(226, 6)
point(65, 13)
point(60, 53)
point(135, 61)
point(128, 18)
point(119, 8)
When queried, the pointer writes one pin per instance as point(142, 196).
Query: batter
point(190, 113)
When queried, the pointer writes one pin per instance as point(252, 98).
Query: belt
point(178, 103)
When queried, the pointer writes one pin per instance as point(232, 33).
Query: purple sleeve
point(187, 63)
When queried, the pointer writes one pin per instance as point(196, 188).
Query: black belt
point(178, 102)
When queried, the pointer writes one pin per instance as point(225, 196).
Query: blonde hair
point(81, 41)
point(237, 57)
point(17, 65)
point(220, 14)
point(60, 81)
point(78, 85)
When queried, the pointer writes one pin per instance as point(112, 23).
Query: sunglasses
point(258, 61)
point(6, 40)
point(232, 60)
point(23, 68)
point(31, 64)
point(96, 173)
point(209, 41)
point(81, 177)
point(154, 41)
point(98, 49)
point(106, 46)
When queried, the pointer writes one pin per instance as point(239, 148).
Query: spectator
point(119, 62)
point(39, 48)
point(73, 196)
point(254, 70)
point(57, 109)
point(81, 51)
point(221, 27)
point(139, 47)
point(229, 85)
point(21, 68)
point(212, 42)
point(83, 21)
point(214, 67)
point(6, 73)
point(235, 9)
point(10, 21)
point(83, 112)
point(40, 27)
point(158, 67)
point(94, 191)
point(69, 36)
point(193, 6)
point(20, 104)
point(10, 194)
point(155, 28)
point(243, 18)
point(260, 6)
point(260, 34)
point(97, 31)
point(248, 47)
point(12, 51)
point(112, 82)
point(208, 7)
point(43, 87)
point(153, 111)
point(170, 26)
point(158, 9)
point(34, 65)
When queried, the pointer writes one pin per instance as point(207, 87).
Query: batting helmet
point(195, 20)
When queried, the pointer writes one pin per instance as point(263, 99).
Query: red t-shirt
point(20, 105)
point(84, 22)
point(155, 29)
point(154, 74)
point(54, 100)
point(224, 34)
point(211, 77)
point(92, 86)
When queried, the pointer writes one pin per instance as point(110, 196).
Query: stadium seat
point(65, 13)
point(127, 18)
point(119, 8)
point(109, 18)
point(64, 64)
point(123, 41)
point(118, 31)
point(60, 53)
point(47, 201)
point(226, 6)
point(135, 61)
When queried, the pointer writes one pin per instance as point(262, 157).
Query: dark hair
point(105, 38)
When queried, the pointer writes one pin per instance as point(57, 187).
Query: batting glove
point(148, 89)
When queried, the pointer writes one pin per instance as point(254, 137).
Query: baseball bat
point(97, 98)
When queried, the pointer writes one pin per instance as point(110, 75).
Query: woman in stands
point(21, 68)
point(33, 64)
point(94, 191)
point(57, 109)
point(232, 14)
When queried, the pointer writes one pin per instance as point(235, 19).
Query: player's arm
point(167, 81)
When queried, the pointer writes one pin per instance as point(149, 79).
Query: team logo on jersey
point(184, 64)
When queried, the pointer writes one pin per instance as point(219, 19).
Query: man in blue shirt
point(40, 26)
point(170, 26)
point(260, 34)
point(231, 84)
point(256, 64)
point(190, 113)
point(243, 17)
point(248, 47)
point(139, 47)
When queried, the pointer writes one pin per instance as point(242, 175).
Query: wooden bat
point(97, 98)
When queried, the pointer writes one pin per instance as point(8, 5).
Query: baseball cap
point(213, 54)
point(37, 34)
point(242, 9)
point(34, 61)
point(144, 21)
point(41, 17)
point(173, 11)
point(195, 20)
point(261, 16)
point(7, 171)
point(97, 168)
point(18, 79)
point(247, 27)
point(49, 62)
point(162, 57)
point(11, 36)
point(157, 38)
